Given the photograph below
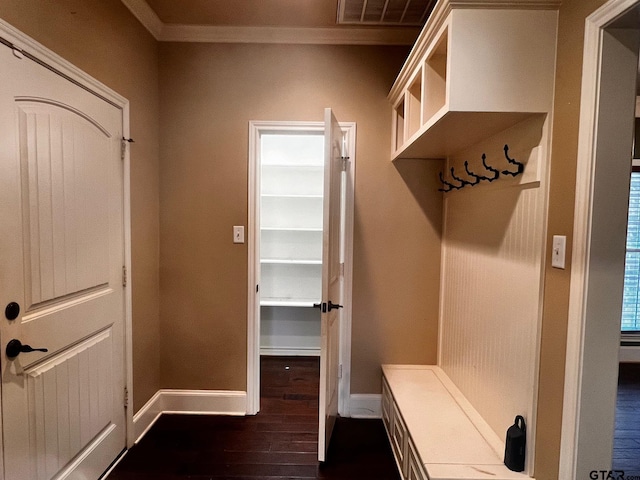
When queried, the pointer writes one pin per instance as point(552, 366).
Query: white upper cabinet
point(477, 68)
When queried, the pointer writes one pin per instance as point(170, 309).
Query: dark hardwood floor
point(278, 443)
point(626, 445)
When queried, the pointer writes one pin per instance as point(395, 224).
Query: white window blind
point(631, 294)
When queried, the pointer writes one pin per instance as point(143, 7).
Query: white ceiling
point(378, 22)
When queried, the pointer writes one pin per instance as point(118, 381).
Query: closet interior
point(291, 205)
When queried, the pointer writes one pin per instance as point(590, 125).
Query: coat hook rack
point(520, 166)
point(473, 178)
point(495, 171)
point(450, 186)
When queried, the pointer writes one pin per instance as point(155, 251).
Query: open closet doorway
point(300, 254)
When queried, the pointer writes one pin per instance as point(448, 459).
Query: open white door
point(331, 284)
point(62, 257)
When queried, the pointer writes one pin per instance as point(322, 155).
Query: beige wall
point(560, 222)
point(209, 93)
point(102, 38)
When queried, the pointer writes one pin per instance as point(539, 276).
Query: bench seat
point(435, 432)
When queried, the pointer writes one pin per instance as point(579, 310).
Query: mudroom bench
point(435, 433)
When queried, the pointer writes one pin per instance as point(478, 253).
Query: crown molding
point(523, 4)
point(290, 35)
point(147, 17)
point(166, 32)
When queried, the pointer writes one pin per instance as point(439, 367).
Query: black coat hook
point(462, 181)
point(496, 172)
point(471, 174)
point(450, 186)
point(513, 162)
point(445, 183)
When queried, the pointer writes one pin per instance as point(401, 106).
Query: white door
point(331, 283)
point(61, 262)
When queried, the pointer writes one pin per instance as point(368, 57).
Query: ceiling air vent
point(384, 12)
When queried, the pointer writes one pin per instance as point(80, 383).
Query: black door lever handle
point(15, 348)
point(333, 305)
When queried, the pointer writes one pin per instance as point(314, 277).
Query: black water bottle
point(514, 447)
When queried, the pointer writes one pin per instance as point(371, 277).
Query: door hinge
point(340, 371)
point(126, 397)
point(342, 269)
point(345, 163)
point(19, 54)
point(124, 276)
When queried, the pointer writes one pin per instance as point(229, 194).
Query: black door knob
point(15, 348)
point(12, 310)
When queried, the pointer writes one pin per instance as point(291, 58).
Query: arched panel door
point(61, 269)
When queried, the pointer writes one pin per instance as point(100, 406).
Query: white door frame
point(30, 48)
point(593, 344)
point(256, 128)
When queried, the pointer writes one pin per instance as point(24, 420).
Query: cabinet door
point(399, 440)
point(415, 471)
point(386, 406)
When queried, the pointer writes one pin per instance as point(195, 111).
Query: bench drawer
point(399, 439)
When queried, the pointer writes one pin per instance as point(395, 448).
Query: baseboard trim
point(225, 402)
point(144, 418)
point(362, 405)
point(629, 354)
point(194, 402)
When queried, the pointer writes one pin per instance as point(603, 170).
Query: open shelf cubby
point(413, 103)
point(474, 71)
point(398, 123)
point(435, 73)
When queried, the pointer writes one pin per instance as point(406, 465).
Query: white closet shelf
point(293, 166)
point(280, 195)
point(280, 261)
point(287, 302)
point(290, 229)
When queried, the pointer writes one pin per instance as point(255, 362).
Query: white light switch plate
point(558, 251)
point(238, 234)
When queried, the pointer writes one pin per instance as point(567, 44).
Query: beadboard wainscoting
point(491, 286)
